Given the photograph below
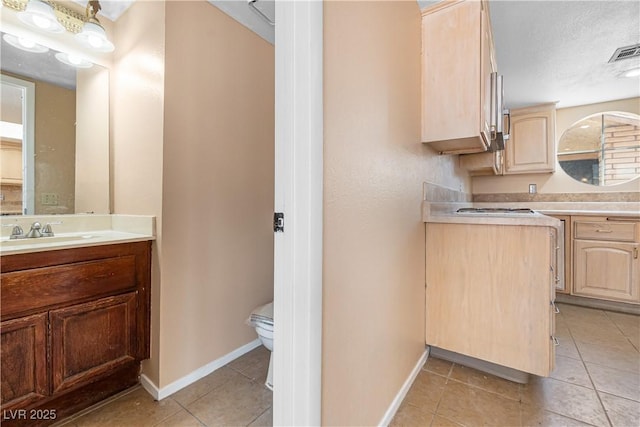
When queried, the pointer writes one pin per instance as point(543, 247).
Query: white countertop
point(75, 231)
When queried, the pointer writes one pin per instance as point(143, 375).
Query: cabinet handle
point(555, 341)
point(604, 231)
point(635, 253)
point(556, 310)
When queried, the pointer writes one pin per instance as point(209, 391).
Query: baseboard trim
point(621, 307)
point(161, 393)
point(402, 393)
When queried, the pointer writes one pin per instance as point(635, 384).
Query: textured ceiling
point(548, 51)
point(552, 51)
point(559, 50)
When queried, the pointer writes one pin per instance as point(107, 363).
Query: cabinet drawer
point(31, 290)
point(605, 230)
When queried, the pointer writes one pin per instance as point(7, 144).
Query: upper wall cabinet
point(531, 147)
point(457, 62)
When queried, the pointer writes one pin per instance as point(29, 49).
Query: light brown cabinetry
point(11, 162)
point(457, 61)
point(531, 145)
point(483, 163)
point(490, 293)
point(75, 326)
point(605, 259)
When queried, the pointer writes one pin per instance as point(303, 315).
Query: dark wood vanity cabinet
point(74, 327)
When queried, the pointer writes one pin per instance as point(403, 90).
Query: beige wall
point(192, 143)
point(218, 178)
point(137, 111)
point(374, 167)
point(55, 147)
point(559, 181)
point(92, 141)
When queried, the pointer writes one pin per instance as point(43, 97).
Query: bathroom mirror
point(602, 149)
point(55, 135)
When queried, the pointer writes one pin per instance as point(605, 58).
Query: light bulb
point(75, 60)
point(94, 41)
point(41, 22)
point(26, 43)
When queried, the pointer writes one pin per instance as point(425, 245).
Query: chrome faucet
point(16, 231)
point(34, 233)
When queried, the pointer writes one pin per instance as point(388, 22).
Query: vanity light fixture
point(24, 44)
point(93, 34)
point(40, 15)
point(73, 60)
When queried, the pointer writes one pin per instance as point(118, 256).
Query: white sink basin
point(8, 243)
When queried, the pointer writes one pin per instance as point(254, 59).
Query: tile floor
point(596, 382)
point(234, 395)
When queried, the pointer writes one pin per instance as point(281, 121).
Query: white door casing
point(298, 194)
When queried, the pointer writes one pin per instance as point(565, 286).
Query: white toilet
point(262, 319)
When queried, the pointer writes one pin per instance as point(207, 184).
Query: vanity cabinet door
point(91, 339)
point(23, 361)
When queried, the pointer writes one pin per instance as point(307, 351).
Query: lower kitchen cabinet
point(605, 258)
point(74, 327)
point(490, 293)
point(607, 270)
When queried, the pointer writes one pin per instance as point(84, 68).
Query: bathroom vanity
point(75, 327)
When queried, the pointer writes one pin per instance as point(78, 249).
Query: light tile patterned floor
point(596, 382)
point(234, 395)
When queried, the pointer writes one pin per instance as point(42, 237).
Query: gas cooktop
point(496, 210)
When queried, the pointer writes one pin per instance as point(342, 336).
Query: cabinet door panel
point(93, 338)
point(23, 360)
point(531, 147)
point(606, 270)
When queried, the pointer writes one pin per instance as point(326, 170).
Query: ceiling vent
point(626, 53)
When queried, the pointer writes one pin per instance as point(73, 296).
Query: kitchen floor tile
point(411, 416)
point(613, 381)
point(469, 405)
point(567, 347)
point(570, 400)
point(426, 391)
point(438, 366)
point(534, 416)
point(488, 382)
point(571, 371)
point(622, 412)
point(440, 421)
point(624, 356)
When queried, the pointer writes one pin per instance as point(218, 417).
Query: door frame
point(298, 194)
point(28, 90)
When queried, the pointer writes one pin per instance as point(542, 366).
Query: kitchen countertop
point(434, 212)
point(445, 212)
point(622, 209)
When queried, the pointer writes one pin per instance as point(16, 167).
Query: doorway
point(17, 145)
